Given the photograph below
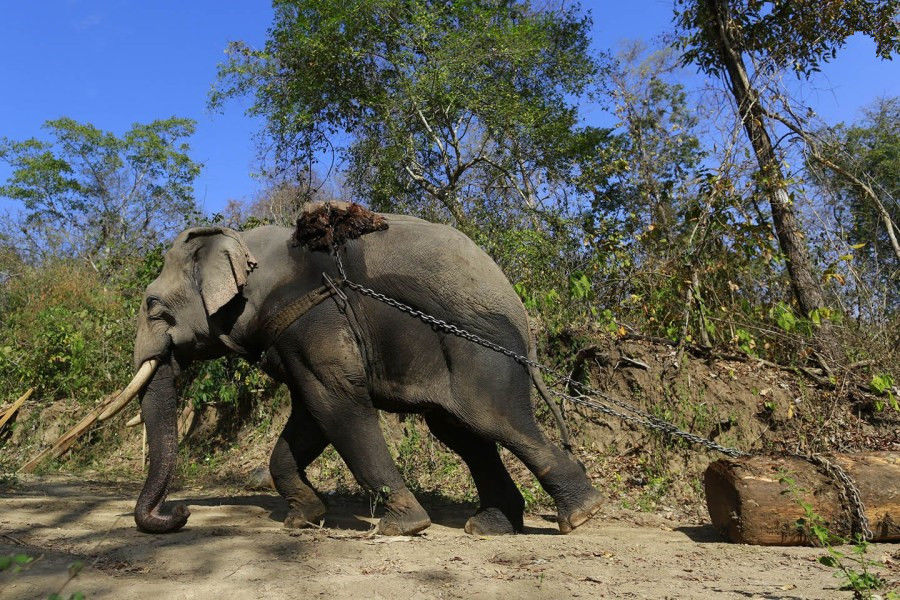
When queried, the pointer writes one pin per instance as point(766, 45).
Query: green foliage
point(15, 562)
point(65, 333)
point(883, 384)
point(224, 381)
point(855, 568)
point(784, 317)
point(858, 173)
point(89, 193)
point(796, 35)
point(445, 107)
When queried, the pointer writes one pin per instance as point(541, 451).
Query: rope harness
point(281, 319)
point(585, 395)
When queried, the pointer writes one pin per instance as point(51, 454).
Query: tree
point(91, 194)
point(858, 166)
point(863, 162)
point(778, 35)
point(659, 143)
point(283, 197)
point(445, 108)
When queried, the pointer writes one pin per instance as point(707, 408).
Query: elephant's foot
point(403, 515)
point(492, 521)
point(571, 518)
point(305, 515)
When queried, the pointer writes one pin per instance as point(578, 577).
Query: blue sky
point(116, 62)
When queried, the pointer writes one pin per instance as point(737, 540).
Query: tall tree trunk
point(787, 227)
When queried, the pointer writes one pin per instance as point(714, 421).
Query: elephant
point(347, 356)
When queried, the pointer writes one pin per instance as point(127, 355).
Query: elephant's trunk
point(158, 407)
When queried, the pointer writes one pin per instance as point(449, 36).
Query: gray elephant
point(344, 357)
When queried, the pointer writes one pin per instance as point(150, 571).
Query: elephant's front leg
point(300, 443)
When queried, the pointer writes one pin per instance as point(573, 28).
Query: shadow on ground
point(703, 534)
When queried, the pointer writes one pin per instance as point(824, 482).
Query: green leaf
point(828, 561)
point(784, 317)
point(579, 286)
point(75, 568)
point(882, 383)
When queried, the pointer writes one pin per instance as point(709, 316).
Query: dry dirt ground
point(235, 547)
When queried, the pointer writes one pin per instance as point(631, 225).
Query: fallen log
point(7, 414)
point(770, 501)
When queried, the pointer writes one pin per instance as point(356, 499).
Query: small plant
point(534, 495)
point(14, 563)
point(653, 492)
point(854, 568)
point(883, 384)
point(74, 569)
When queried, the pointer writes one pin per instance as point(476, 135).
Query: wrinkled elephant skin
point(344, 362)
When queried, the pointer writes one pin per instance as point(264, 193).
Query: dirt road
point(235, 547)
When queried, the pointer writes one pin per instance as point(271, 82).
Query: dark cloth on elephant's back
point(324, 225)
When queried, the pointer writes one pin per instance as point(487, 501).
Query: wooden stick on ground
point(185, 420)
point(8, 413)
point(61, 445)
point(108, 408)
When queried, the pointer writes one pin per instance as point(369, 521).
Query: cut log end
point(770, 500)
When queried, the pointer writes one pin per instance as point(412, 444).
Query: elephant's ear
point(222, 262)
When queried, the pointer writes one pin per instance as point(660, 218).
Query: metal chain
point(639, 416)
point(848, 490)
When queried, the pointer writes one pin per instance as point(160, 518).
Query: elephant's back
point(440, 271)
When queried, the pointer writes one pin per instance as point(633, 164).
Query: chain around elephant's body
point(846, 487)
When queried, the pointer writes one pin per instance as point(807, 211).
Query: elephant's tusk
point(131, 390)
point(135, 420)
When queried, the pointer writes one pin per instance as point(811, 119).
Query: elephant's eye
point(155, 307)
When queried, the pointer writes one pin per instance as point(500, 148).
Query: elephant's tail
point(545, 394)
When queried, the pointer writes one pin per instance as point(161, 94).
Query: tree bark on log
point(759, 500)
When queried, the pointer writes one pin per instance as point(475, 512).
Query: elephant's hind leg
point(501, 506)
point(562, 478)
point(299, 444)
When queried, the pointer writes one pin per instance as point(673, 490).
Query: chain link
point(638, 416)
point(848, 490)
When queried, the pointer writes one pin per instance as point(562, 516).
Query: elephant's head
point(204, 271)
